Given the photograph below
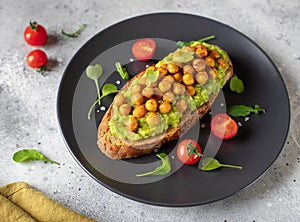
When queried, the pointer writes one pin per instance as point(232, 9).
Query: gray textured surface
point(28, 106)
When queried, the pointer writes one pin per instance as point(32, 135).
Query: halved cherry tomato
point(189, 151)
point(223, 126)
point(35, 34)
point(143, 49)
point(37, 58)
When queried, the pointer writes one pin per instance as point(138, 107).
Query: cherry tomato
point(37, 58)
point(143, 49)
point(223, 126)
point(35, 34)
point(189, 151)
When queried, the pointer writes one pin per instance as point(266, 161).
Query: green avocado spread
point(181, 104)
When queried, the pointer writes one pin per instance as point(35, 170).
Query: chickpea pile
point(175, 78)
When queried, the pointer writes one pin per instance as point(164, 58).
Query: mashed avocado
point(118, 123)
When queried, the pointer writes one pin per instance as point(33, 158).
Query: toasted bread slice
point(116, 148)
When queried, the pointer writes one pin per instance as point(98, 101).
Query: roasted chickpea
point(199, 64)
point(169, 97)
point(222, 63)
point(151, 105)
point(181, 105)
point(164, 66)
point(178, 77)
point(139, 111)
point(213, 73)
point(162, 71)
point(188, 49)
point(132, 124)
point(148, 92)
point(191, 90)
point(137, 99)
point(215, 54)
point(201, 77)
point(188, 79)
point(169, 78)
point(136, 88)
point(188, 69)
point(210, 61)
point(153, 119)
point(165, 107)
point(119, 99)
point(142, 81)
point(172, 68)
point(164, 86)
point(201, 50)
point(125, 109)
point(178, 89)
point(157, 93)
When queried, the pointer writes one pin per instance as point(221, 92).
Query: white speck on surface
point(147, 66)
point(118, 82)
point(246, 118)
point(172, 156)
point(131, 60)
point(98, 111)
point(203, 125)
point(102, 108)
point(239, 124)
point(210, 113)
point(221, 104)
point(269, 204)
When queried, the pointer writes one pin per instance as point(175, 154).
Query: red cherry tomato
point(35, 34)
point(189, 151)
point(37, 58)
point(223, 126)
point(143, 49)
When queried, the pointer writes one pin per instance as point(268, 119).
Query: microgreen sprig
point(25, 155)
point(74, 34)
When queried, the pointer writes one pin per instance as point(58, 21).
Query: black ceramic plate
point(255, 147)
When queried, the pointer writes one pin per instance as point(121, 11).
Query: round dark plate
point(256, 146)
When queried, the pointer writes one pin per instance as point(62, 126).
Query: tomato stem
point(192, 150)
point(33, 25)
point(42, 70)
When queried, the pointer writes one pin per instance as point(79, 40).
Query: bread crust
point(116, 148)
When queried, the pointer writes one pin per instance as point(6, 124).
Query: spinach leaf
point(212, 164)
point(161, 170)
point(236, 84)
point(76, 33)
point(29, 155)
point(243, 110)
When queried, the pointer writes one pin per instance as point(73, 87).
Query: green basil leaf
point(236, 84)
point(29, 155)
point(76, 33)
point(161, 170)
point(212, 164)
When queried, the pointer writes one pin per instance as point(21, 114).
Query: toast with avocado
point(164, 101)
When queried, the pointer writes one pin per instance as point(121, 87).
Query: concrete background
point(28, 105)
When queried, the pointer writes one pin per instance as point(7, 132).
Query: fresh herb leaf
point(161, 170)
point(29, 155)
point(243, 110)
point(122, 71)
point(183, 57)
point(151, 76)
point(107, 89)
point(212, 164)
point(75, 34)
point(94, 73)
point(236, 84)
point(181, 44)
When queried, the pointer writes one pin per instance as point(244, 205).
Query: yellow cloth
point(21, 203)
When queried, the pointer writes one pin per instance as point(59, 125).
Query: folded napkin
point(21, 203)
